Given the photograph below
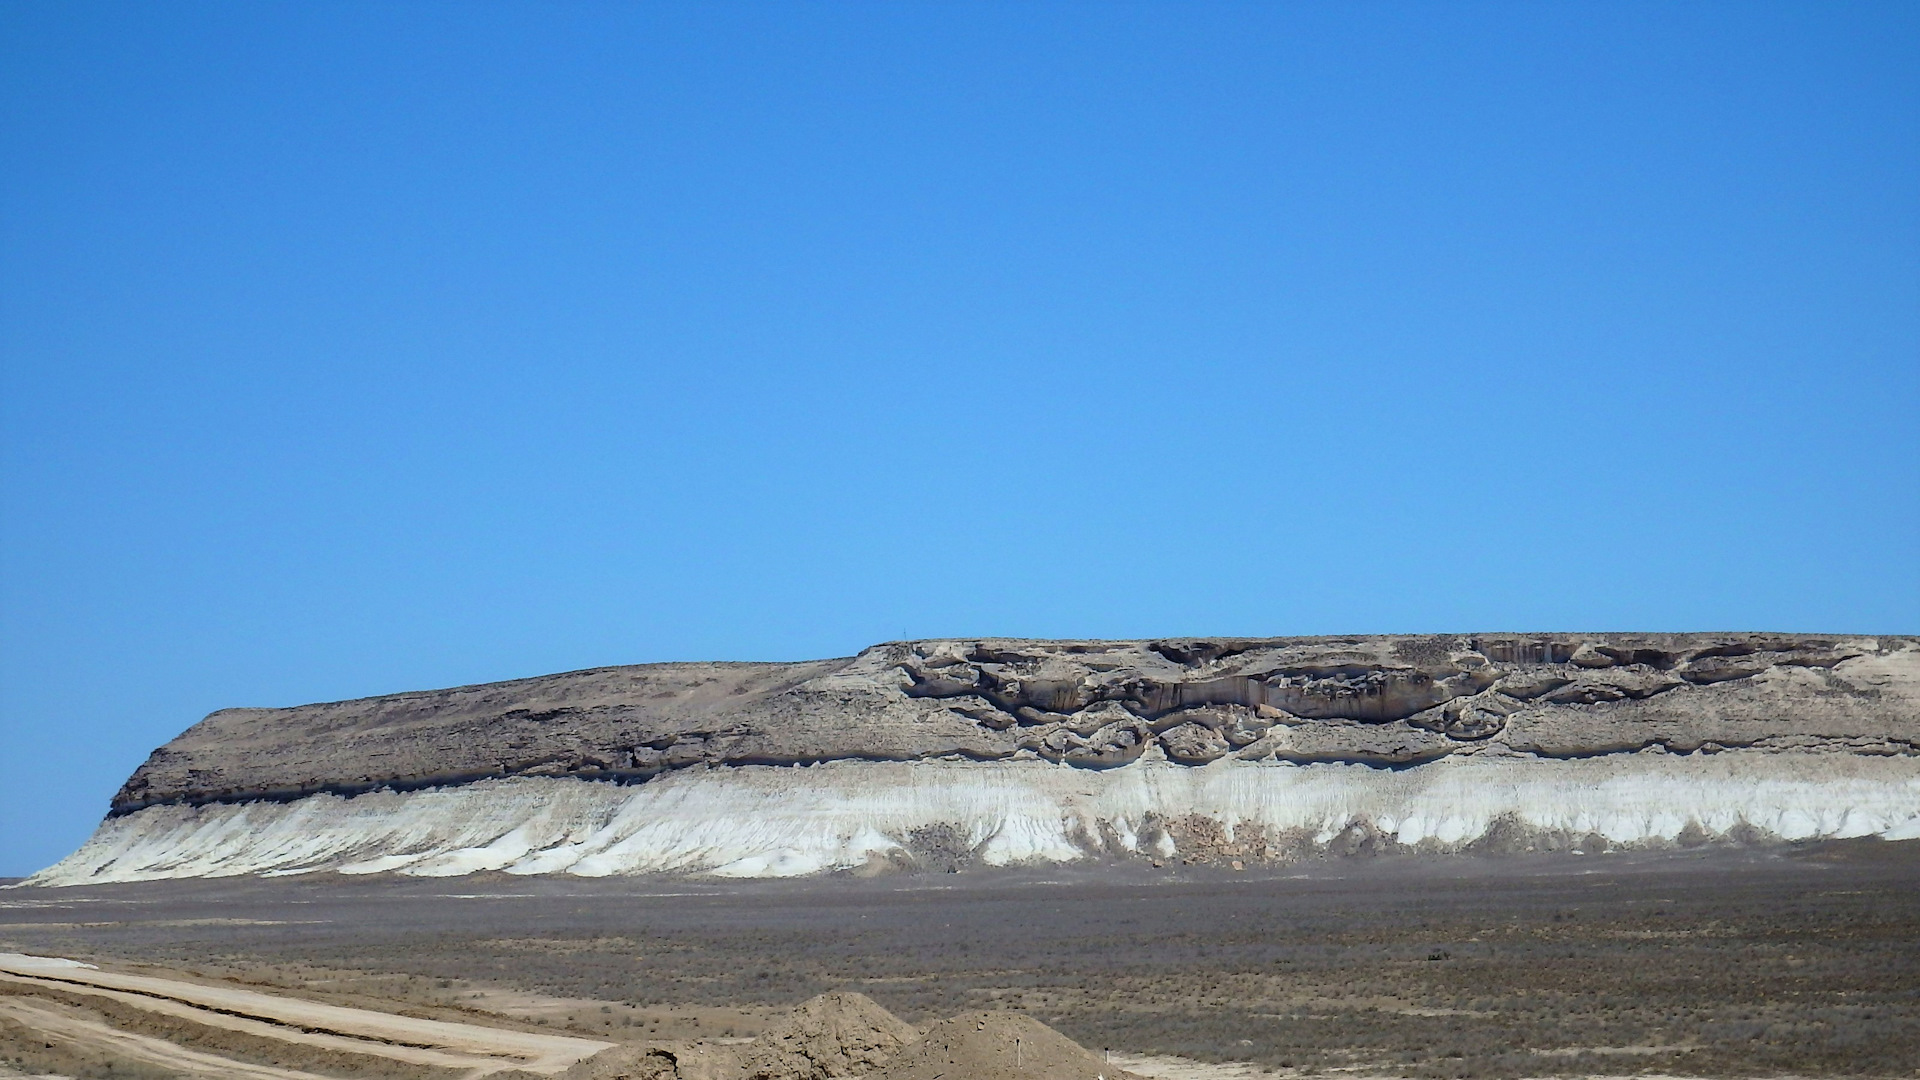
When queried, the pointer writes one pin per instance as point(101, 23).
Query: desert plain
point(1713, 961)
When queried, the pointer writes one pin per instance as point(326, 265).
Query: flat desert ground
point(1713, 962)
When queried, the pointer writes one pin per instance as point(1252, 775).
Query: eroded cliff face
point(1386, 701)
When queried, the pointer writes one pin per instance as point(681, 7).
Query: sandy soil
point(1709, 962)
point(669, 1021)
point(1179, 1068)
point(402, 1038)
point(55, 1023)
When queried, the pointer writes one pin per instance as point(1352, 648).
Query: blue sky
point(352, 348)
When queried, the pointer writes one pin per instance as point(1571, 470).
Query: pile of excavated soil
point(829, 1037)
point(697, 1060)
point(700, 1059)
point(997, 1046)
point(629, 1062)
point(841, 1035)
point(835, 1035)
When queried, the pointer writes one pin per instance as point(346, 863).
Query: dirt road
point(57, 1024)
point(334, 1027)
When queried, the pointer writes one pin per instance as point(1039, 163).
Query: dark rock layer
point(1388, 701)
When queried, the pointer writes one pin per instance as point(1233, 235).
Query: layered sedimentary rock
point(946, 752)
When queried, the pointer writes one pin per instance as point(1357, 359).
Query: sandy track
point(479, 1064)
point(56, 1024)
point(334, 1027)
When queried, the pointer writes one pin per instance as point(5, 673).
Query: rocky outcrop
point(937, 756)
point(946, 816)
point(1383, 701)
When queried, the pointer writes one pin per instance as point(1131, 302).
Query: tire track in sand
point(335, 1027)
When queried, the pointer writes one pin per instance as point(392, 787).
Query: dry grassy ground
point(1707, 962)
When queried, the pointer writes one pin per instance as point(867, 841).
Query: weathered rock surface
point(1385, 701)
point(936, 756)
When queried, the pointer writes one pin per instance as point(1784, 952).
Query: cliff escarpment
point(1381, 701)
point(949, 754)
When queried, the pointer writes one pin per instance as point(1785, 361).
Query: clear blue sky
point(359, 347)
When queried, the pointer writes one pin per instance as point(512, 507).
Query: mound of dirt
point(700, 1060)
point(841, 1035)
point(997, 1046)
point(835, 1035)
point(629, 1062)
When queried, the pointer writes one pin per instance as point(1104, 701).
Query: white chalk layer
point(763, 821)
